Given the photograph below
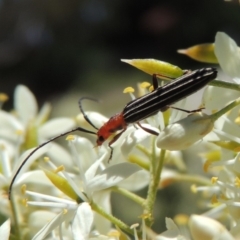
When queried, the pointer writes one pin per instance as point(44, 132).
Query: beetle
point(160, 99)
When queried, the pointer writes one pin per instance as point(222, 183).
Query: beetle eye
point(101, 139)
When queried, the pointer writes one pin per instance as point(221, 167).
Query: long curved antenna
point(41, 145)
point(82, 111)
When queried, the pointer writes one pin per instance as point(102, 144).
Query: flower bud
point(153, 66)
point(202, 53)
point(182, 134)
point(202, 227)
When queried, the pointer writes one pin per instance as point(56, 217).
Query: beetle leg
point(154, 81)
point(115, 138)
point(148, 130)
point(188, 111)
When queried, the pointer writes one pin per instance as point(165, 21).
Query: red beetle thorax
point(114, 124)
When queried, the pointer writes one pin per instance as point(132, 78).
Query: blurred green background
point(57, 46)
point(65, 49)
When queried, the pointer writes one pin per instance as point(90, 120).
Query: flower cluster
point(68, 196)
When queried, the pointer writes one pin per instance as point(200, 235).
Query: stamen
point(214, 180)
point(237, 182)
point(59, 169)
point(70, 137)
point(194, 188)
point(224, 197)
point(135, 225)
point(237, 120)
point(23, 189)
point(144, 84)
point(150, 89)
point(46, 159)
point(145, 216)
point(2, 147)
point(25, 202)
point(3, 97)
point(128, 90)
point(181, 219)
point(114, 233)
point(19, 132)
point(214, 199)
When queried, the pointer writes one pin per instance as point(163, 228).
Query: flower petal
point(29, 161)
point(206, 228)
point(54, 223)
point(38, 219)
point(182, 134)
point(134, 138)
point(136, 181)
point(228, 54)
point(10, 126)
point(172, 232)
point(96, 118)
point(82, 222)
point(60, 156)
point(25, 103)
point(5, 230)
point(215, 97)
point(112, 176)
point(55, 127)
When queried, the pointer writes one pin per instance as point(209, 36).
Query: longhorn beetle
point(160, 99)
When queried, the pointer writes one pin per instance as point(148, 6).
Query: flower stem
point(193, 179)
point(155, 172)
point(111, 218)
point(140, 162)
point(143, 150)
point(15, 212)
point(129, 195)
point(224, 110)
point(223, 84)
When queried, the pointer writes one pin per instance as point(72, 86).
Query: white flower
point(185, 132)
point(202, 227)
point(27, 128)
point(81, 224)
point(90, 184)
point(172, 233)
point(228, 55)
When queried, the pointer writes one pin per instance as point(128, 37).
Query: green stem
point(135, 159)
point(15, 217)
point(143, 150)
point(129, 195)
point(111, 218)
point(193, 179)
point(155, 172)
point(223, 84)
point(224, 110)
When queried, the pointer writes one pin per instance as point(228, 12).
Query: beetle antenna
point(37, 148)
point(82, 111)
